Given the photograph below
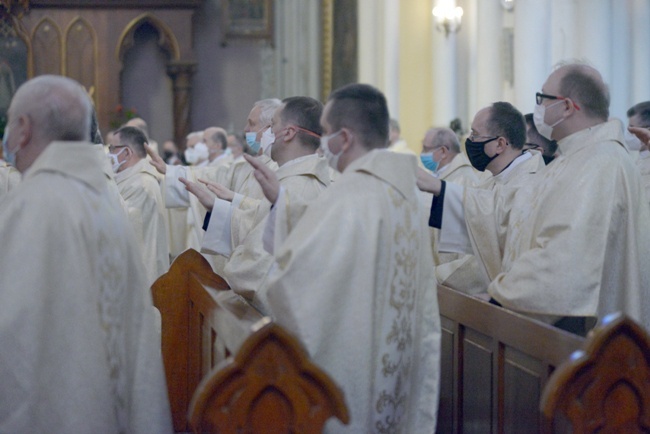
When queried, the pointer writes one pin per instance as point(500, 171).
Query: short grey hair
point(59, 108)
point(267, 109)
point(445, 137)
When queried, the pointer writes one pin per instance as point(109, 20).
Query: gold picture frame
point(247, 19)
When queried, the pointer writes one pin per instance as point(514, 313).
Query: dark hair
point(134, 138)
point(506, 121)
point(642, 110)
point(95, 134)
point(220, 137)
point(586, 88)
point(304, 112)
point(549, 147)
point(363, 109)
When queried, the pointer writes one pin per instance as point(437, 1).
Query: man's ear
point(23, 131)
point(502, 144)
point(291, 133)
point(347, 138)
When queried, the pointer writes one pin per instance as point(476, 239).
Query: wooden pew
point(494, 365)
point(269, 386)
point(605, 387)
point(202, 322)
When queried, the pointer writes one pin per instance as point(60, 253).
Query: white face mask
point(202, 150)
point(115, 164)
point(633, 142)
point(332, 159)
point(10, 157)
point(539, 114)
point(267, 140)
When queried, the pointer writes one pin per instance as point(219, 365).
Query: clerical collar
point(514, 163)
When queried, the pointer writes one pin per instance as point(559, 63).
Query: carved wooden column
point(181, 74)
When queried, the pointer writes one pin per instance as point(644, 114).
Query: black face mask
point(476, 153)
point(167, 155)
point(548, 159)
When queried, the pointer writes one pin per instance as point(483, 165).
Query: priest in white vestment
point(80, 352)
point(295, 135)
point(237, 177)
point(574, 241)
point(139, 187)
point(353, 280)
point(496, 145)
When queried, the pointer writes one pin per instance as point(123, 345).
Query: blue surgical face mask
point(10, 157)
point(428, 161)
point(252, 143)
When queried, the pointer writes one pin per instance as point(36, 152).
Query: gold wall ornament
point(13, 7)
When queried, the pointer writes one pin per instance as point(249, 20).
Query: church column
point(292, 67)
point(531, 51)
point(595, 34)
point(489, 30)
point(181, 74)
point(640, 63)
point(379, 53)
point(444, 71)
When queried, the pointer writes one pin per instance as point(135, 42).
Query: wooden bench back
point(605, 387)
point(494, 366)
point(187, 338)
point(269, 386)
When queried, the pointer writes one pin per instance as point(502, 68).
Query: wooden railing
point(494, 366)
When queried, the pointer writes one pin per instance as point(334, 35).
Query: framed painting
point(248, 19)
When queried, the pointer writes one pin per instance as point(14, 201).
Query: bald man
point(80, 352)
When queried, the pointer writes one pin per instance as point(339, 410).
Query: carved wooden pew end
point(604, 387)
point(270, 385)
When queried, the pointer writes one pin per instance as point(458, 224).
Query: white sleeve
point(216, 240)
point(454, 236)
point(176, 196)
point(268, 238)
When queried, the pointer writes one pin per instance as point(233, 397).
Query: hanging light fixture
point(447, 16)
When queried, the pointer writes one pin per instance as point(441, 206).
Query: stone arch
point(167, 40)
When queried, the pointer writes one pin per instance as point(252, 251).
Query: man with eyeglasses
point(496, 144)
point(570, 246)
point(139, 187)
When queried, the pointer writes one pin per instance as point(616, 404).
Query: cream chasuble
point(228, 227)
point(80, 352)
point(354, 283)
point(464, 272)
point(576, 238)
point(303, 179)
point(9, 178)
point(140, 189)
point(644, 167)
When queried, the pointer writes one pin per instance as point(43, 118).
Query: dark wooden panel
point(522, 391)
point(448, 353)
point(477, 380)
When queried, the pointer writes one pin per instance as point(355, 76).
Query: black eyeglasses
point(539, 97)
